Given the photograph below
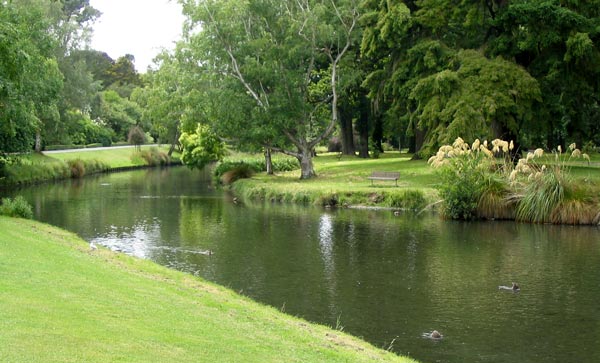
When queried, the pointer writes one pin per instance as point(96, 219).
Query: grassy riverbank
point(343, 181)
point(62, 301)
point(35, 168)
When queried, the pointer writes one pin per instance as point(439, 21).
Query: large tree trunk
point(38, 142)
point(346, 130)
point(307, 170)
point(268, 161)
point(419, 140)
point(377, 136)
point(174, 143)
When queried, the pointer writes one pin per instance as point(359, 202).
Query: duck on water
point(514, 288)
point(433, 335)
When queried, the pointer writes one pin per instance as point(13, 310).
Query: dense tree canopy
point(283, 75)
point(30, 80)
point(520, 69)
point(282, 55)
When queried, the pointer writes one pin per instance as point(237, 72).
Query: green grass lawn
point(34, 168)
point(115, 158)
point(60, 301)
point(346, 178)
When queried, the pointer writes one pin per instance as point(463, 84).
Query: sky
point(138, 27)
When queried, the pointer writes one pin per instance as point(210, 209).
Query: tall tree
point(558, 43)
point(416, 45)
point(285, 55)
point(173, 98)
point(30, 81)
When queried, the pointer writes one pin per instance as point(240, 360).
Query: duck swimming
point(433, 335)
point(515, 287)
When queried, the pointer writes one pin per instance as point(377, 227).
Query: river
point(387, 279)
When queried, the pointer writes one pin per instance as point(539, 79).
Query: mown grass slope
point(60, 301)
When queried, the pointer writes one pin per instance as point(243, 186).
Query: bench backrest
point(385, 174)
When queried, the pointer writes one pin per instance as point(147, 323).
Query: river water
point(387, 279)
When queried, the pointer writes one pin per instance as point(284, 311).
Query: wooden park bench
point(384, 175)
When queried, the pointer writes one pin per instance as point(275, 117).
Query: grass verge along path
point(62, 301)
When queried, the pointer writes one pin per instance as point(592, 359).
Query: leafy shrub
point(375, 152)
point(17, 207)
point(461, 186)
point(77, 167)
point(154, 157)
point(136, 136)
point(201, 147)
point(386, 146)
point(284, 165)
point(240, 171)
point(256, 165)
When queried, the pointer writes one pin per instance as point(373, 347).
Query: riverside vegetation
point(341, 182)
point(465, 182)
point(35, 168)
point(113, 307)
point(483, 181)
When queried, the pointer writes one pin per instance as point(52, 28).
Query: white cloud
point(138, 27)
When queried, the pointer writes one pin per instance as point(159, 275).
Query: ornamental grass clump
point(547, 193)
point(465, 177)
point(479, 182)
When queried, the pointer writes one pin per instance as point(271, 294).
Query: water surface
point(385, 278)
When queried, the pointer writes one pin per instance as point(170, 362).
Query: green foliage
point(252, 165)
point(17, 207)
point(374, 150)
point(413, 200)
point(525, 70)
point(30, 80)
point(278, 63)
point(117, 113)
point(201, 147)
point(463, 177)
point(240, 171)
point(541, 198)
point(482, 94)
point(460, 190)
point(154, 157)
point(136, 136)
point(475, 184)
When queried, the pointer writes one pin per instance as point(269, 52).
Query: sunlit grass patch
point(342, 181)
point(62, 301)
